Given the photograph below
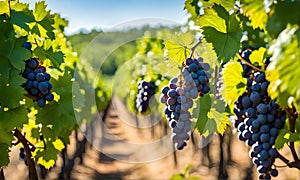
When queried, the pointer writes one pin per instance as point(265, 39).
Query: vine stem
point(249, 64)
point(31, 165)
point(292, 115)
point(193, 49)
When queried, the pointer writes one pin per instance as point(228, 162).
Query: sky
point(106, 14)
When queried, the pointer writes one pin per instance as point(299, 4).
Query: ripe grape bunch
point(37, 84)
point(178, 97)
point(259, 119)
point(145, 91)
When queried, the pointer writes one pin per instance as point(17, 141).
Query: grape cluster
point(259, 119)
point(145, 91)
point(178, 97)
point(37, 84)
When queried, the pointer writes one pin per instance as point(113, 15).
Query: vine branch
point(249, 64)
point(193, 49)
point(31, 165)
point(292, 115)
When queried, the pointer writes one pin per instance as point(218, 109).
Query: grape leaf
point(284, 85)
point(15, 93)
point(5, 143)
point(5, 67)
point(18, 56)
point(234, 85)
point(255, 10)
point(56, 58)
point(212, 117)
point(285, 136)
point(222, 30)
point(13, 118)
point(257, 57)
point(22, 18)
point(228, 5)
point(192, 7)
point(40, 11)
point(177, 47)
point(48, 156)
point(4, 157)
point(278, 21)
point(44, 21)
point(4, 8)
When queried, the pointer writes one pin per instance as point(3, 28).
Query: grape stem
point(193, 49)
point(31, 165)
point(249, 64)
point(292, 115)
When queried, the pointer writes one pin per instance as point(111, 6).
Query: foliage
point(55, 121)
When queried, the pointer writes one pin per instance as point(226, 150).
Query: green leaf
point(4, 157)
point(40, 11)
point(22, 18)
point(284, 137)
point(283, 72)
point(228, 5)
point(255, 10)
point(15, 94)
point(18, 56)
point(178, 47)
point(5, 68)
point(44, 20)
point(257, 57)
point(212, 117)
point(278, 20)
point(13, 118)
point(222, 30)
point(55, 57)
point(234, 85)
point(192, 7)
point(48, 156)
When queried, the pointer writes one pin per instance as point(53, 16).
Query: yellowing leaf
point(256, 13)
point(178, 47)
point(58, 144)
point(47, 164)
point(212, 19)
point(234, 85)
point(4, 7)
point(257, 56)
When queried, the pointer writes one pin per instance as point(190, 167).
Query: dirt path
point(119, 141)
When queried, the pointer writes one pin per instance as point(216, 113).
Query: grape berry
point(178, 97)
point(37, 84)
point(145, 91)
point(259, 120)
